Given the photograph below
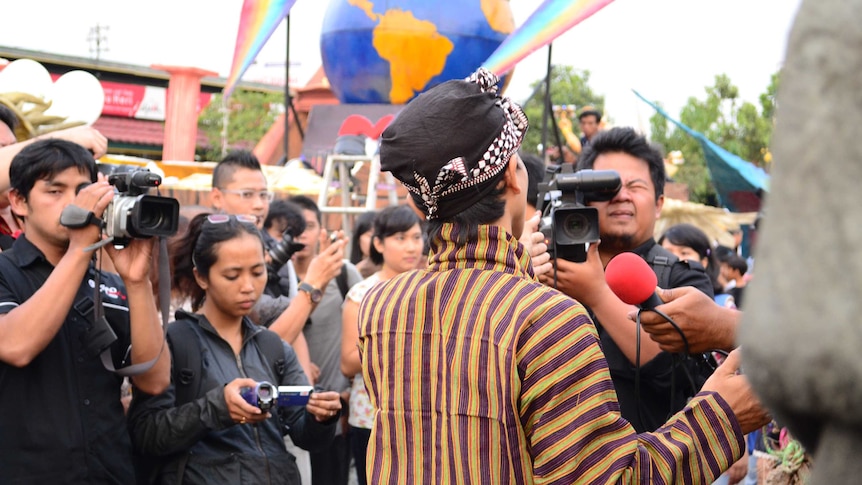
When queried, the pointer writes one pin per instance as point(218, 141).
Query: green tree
point(739, 127)
point(250, 115)
point(569, 86)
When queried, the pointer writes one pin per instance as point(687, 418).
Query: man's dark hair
point(535, 176)
point(46, 158)
point(487, 210)
point(227, 166)
point(723, 253)
point(390, 221)
point(737, 263)
point(590, 112)
point(7, 117)
point(625, 140)
point(307, 204)
point(289, 212)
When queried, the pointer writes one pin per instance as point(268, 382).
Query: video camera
point(134, 215)
point(267, 396)
point(569, 224)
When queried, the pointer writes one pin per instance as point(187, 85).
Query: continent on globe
point(415, 50)
point(389, 51)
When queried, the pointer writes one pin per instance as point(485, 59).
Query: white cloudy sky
point(668, 50)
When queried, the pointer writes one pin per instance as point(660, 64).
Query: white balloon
point(25, 76)
point(77, 96)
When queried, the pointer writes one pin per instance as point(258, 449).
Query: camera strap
point(75, 217)
point(164, 306)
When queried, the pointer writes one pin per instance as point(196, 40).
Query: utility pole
point(98, 39)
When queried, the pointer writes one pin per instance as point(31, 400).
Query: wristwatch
point(313, 293)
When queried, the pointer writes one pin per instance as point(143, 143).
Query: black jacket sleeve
point(159, 427)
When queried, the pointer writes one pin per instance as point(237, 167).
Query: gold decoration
point(714, 221)
point(32, 120)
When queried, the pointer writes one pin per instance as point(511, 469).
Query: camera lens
point(151, 220)
point(576, 226)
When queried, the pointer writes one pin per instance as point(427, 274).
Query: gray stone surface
point(802, 331)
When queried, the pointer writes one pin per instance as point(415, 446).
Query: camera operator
point(61, 420)
point(283, 225)
point(643, 382)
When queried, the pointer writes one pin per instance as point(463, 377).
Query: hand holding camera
point(326, 265)
point(583, 281)
point(241, 412)
point(534, 244)
point(92, 198)
point(266, 396)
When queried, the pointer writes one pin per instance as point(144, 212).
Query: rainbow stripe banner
point(549, 21)
point(258, 21)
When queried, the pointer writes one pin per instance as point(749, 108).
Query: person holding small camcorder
point(209, 425)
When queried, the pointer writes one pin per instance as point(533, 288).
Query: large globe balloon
point(386, 51)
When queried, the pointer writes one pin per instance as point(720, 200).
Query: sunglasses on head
point(222, 218)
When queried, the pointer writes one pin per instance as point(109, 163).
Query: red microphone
point(633, 281)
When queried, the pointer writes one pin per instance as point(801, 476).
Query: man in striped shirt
point(480, 374)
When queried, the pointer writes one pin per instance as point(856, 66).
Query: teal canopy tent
point(738, 183)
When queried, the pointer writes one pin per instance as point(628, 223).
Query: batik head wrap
point(451, 145)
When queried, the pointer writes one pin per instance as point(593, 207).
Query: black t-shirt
point(737, 294)
point(648, 409)
point(61, 420)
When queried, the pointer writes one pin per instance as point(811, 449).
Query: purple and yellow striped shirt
point(479, 374)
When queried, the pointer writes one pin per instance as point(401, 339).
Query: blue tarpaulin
point(738, 183)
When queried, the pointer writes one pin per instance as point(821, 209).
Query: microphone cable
point(676, 363)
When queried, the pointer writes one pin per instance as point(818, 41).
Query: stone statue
point(802, 331)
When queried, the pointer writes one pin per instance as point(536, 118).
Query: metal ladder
point(342, 164)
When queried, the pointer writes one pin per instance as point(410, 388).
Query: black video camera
point(283, 250)
point(133, 214)
point(569, 224)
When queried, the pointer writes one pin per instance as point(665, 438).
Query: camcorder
point(267, 396)
point(132, 214)
point(567, 223)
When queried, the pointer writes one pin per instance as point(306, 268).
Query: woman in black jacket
point(201, 429)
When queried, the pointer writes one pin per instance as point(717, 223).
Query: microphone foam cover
point(630, 278)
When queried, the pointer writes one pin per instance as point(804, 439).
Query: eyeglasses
point(222, 218)
point(250, 194)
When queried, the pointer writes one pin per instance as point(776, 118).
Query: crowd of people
point(443, 343)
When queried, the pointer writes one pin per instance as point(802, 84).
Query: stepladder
point(342, 184)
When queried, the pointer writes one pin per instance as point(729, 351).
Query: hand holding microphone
point(684, 319)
